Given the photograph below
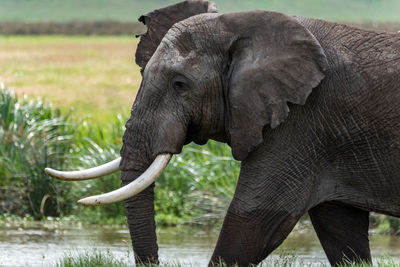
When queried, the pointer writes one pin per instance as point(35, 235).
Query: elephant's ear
point(274, 60)
point(159, 21)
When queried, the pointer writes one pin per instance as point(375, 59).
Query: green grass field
point(95, 75)
point(128, 10)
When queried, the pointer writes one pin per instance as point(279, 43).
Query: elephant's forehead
point(185, 48)
point(177, 48)
point(168, 57)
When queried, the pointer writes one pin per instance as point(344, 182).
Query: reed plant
point(33, 135)
point(94, 146)
point(197, 185)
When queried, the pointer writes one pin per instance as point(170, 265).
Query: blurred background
point(67, 81)
point(129, 10)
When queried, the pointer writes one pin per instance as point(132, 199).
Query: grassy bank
point(284, 259)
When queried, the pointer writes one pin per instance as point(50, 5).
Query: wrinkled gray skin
point(233, 78)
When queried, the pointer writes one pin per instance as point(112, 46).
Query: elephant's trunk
point(139, 208)
point(140, 216)
point(137, 155)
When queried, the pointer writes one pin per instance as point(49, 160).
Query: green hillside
point(128, 10)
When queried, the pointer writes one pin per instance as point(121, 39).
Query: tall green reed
point(197, 185)
point(94, 146)
point(33, 135)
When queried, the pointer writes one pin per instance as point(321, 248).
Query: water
point(43, 246)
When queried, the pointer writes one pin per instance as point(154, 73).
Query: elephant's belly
point(367, 175)
point(378, 195)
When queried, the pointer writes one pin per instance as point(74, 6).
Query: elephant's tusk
point(133, 188)
point(91, 173)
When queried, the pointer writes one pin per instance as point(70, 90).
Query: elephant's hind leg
point(342, 231)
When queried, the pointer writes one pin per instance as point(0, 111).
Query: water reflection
point(40, 246)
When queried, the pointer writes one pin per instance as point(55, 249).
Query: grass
point(95, 75)
point(32, 135)
point(198, 184)
point(283, 259)
point(90, 259)
point(381, 262)
point(128, 10)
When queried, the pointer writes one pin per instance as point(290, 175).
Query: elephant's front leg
point(243, 241)
point(270, 197)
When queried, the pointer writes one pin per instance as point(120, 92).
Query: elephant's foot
point(244, 242)
point(342, 231)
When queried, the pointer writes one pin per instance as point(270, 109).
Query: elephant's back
point(354, 115)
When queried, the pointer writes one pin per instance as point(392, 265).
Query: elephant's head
point(223, 77)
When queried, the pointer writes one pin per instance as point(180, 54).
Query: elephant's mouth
point(199, 141)
point(194, 134)
point(135, 187)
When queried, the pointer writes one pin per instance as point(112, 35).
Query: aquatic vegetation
point(32, 136)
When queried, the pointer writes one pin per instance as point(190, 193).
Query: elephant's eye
point(180, 84)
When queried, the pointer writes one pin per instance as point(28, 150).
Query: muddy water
point(42, 246)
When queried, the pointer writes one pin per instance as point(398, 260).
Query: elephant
point(233, 78)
